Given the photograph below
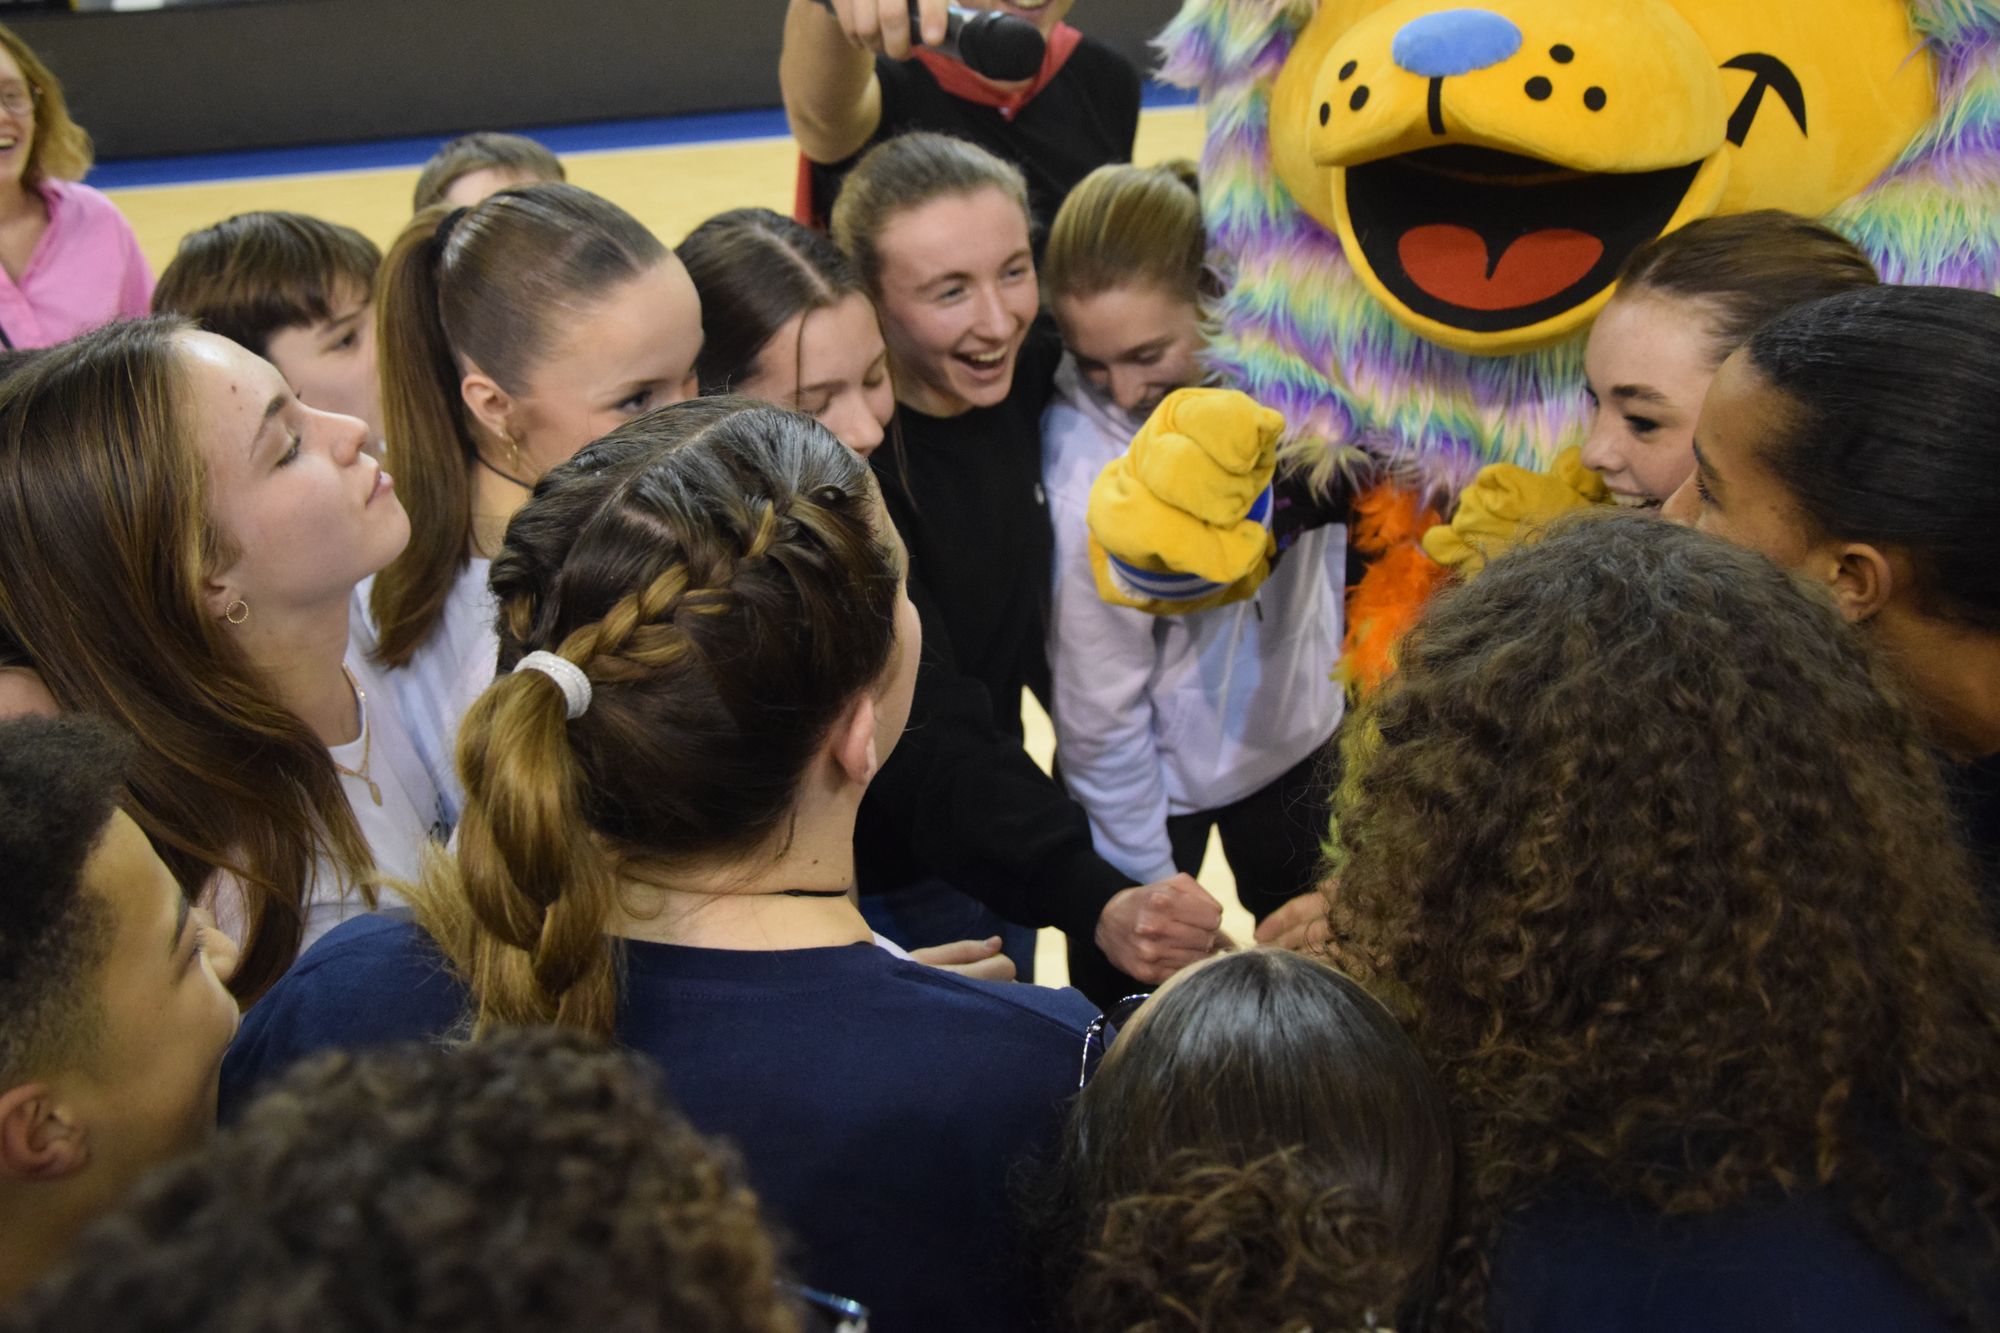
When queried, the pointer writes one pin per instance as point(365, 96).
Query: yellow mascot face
point(1489, 168)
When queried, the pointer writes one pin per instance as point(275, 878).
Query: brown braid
point(717, 572)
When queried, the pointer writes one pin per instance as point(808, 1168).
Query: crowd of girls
point(657, 600)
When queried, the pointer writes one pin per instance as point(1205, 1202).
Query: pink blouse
point(86, 271)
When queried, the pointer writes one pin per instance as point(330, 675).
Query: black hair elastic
point(446, 225)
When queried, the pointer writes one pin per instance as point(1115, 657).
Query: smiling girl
point(938, 230)
point(157, 486)
point(68, 259)
point(1684, 303)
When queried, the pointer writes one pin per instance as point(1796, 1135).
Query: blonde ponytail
point(539, 888)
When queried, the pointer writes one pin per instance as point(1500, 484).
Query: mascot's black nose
point(1453, 42)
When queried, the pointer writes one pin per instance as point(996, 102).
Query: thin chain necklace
point(367, 738)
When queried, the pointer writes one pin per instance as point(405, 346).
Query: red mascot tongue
point(1450, 263)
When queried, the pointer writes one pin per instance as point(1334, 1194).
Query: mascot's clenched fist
point(1419, 206)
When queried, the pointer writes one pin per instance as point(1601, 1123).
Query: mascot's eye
point(1767, 74)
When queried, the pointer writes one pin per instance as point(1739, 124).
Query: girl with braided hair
point(707, 651)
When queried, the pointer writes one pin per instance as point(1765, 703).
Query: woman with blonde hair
point(707, 653)
point(1171, 727)
point(69, 259)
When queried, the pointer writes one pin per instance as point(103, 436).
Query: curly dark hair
point(1661, 866)
point(533, 1181)
point(1262, 1152)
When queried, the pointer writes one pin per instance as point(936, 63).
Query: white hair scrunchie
point(567, 675)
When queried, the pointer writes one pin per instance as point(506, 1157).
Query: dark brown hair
point(61, 780)
point(484, 286)
point(1262, 1151)
point(908, 172)
point(1662, 868)
point(718, 571)
point(537, 1182)
point(257, 274)
point(480, 151)
point(755, 270)
point(60, 149)
point(105, 544)
point(1746, 269)
point(1894, 436)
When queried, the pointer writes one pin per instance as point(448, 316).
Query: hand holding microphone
point(998, 45)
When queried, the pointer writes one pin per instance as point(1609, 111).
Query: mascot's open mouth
point(1488, 241)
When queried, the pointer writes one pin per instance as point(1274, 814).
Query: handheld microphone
point(986, 41)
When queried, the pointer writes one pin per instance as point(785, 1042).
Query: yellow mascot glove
point(1208, 452)
point(1505, 504)
point(1180, 521)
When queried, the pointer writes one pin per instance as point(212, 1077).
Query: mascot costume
point(1419, 206)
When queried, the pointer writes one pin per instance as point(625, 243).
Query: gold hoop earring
point(236, 612)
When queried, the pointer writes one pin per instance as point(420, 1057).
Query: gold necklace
point(367, 738)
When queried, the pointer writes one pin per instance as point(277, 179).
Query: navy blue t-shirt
point(880, 1105)
point(1794, 1265)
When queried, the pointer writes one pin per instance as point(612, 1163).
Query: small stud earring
point(236, 612)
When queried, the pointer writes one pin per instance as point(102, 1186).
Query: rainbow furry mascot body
point(1420, 206)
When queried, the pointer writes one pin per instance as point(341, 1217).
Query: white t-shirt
point(396, 828)
point(442, 678)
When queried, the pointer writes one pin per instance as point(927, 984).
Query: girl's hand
point(1301, 925)
point(969, 958)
